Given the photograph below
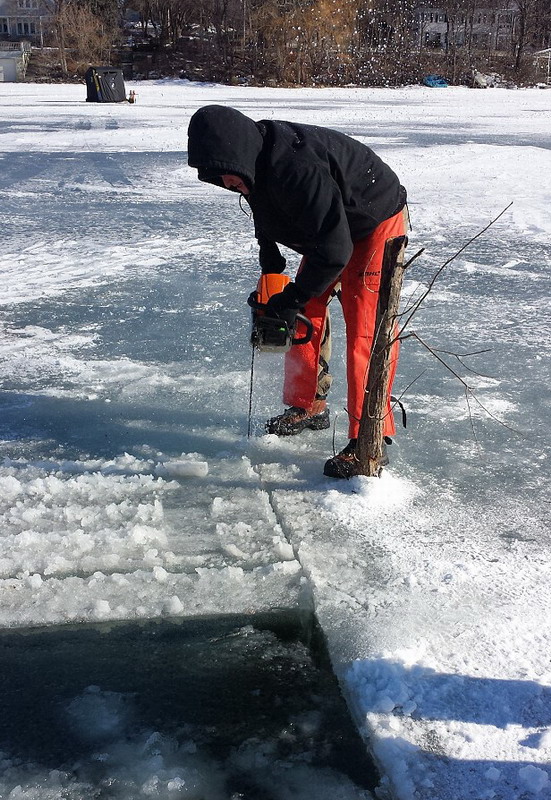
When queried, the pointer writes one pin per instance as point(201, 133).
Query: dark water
point(120, 709)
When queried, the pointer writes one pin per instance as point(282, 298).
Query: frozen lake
point(124, 349)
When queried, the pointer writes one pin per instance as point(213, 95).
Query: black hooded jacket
point(312, 189)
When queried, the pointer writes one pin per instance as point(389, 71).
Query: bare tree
point(533, 28)
point(81, 36)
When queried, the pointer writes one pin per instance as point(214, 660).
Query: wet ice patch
point(99, 716)
point(480, 405)
point(508, 270)
point(54, 364)
point(50, 267)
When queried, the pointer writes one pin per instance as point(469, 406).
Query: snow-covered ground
point(128, 488)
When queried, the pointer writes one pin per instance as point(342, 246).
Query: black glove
point(286, 304)
point(252, 299)
point(269, 256)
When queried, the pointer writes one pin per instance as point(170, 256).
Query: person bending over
point(334, 201)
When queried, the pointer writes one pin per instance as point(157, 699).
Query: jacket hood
point(223, 141)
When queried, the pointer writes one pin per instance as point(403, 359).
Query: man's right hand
point(285, 305)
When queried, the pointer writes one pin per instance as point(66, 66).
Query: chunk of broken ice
point(184, 469)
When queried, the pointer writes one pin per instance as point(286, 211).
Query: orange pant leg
point(360, 294)
point(302, 361)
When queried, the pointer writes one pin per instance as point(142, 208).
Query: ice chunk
point(184, 469)
point(102, 608)
point(534, 778)
point(160, 574)
point(385, 704)
point(35, 581)
point(98, 716)
point(174, 605)
point(233, 551)
point(176, 785)
point(284, 550)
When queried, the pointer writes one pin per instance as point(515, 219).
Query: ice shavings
point(140, 595)
point(57, 523)
point(372, 496)
point(125, 464)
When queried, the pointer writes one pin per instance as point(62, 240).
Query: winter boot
point(294, 420)
point(345, 464)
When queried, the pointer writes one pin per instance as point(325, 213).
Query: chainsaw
point(271, 334)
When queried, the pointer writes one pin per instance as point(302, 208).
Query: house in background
point(542, 59)
point(23, 19)
point(489, 29)
point(22, 24)
point(14, 59)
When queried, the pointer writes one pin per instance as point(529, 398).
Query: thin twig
point(408, 387)
point(493, 416)
point(463, 355)
point(410, 298)
point(413, 258)
point(435, 354)
point(471, 417)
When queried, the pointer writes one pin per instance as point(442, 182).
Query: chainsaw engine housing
point(272, 334)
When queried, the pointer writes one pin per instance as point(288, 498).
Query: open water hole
point(225, 708)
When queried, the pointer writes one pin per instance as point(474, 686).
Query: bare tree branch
point(438, 272)
point(461, 356)
point(469, 392)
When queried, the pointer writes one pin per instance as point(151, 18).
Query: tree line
point(308, 42)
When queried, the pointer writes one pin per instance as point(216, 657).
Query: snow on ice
point(128, 489)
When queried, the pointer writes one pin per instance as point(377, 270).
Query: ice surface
point(124, 350)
